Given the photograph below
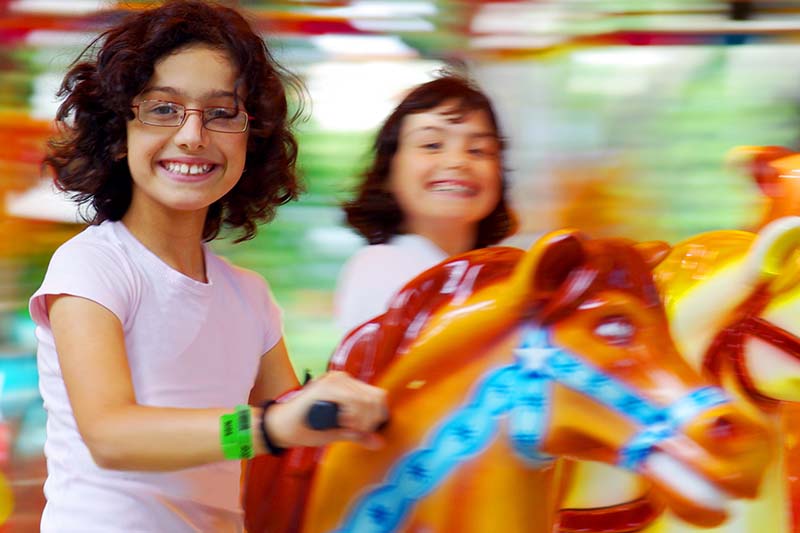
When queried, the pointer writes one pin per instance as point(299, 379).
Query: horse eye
point(617, 330)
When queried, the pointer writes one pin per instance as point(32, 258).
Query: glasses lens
point(159, 113)
point(225, 119)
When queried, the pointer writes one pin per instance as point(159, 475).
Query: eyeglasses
point(172, 115)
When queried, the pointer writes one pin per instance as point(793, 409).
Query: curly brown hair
point(374, 212)
point(88, 157)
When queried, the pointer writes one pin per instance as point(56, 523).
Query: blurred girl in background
point(436, 188)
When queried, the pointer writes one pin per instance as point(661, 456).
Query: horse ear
point(546, 265)
point(756, 160)
point(653, 252)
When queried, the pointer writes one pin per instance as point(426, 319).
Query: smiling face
point(186, 168)
point(446, 168)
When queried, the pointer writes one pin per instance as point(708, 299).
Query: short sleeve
point(259, 296)
point(94, 271)
point(273, 319)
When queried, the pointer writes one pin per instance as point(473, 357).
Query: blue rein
point(521, 391)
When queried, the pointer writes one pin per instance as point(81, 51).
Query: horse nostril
point(730, 433)
point(722, 428)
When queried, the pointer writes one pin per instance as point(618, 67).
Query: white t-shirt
point(189, 344)
point(375, 273)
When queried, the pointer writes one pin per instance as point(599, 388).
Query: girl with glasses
point(152, 349)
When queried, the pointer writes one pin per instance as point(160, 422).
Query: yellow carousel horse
point(776, 170)
point(498, 361)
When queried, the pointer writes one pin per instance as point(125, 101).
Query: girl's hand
point(362, 409)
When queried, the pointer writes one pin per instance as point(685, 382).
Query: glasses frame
point(187, 110)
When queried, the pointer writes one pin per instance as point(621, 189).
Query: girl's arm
point(275, 375)
point(124, 435)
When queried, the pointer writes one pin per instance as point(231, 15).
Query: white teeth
point(451, 187)
point(184, 168)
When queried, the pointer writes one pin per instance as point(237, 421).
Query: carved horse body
point(497, 361)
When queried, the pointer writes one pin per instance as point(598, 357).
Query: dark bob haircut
point(89, 156)
point(375, 213)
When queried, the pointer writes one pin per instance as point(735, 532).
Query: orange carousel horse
point(498, 361)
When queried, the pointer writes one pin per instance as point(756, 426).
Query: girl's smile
point(188, 170)
point(455, 188)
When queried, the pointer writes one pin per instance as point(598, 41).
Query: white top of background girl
point(371, 277)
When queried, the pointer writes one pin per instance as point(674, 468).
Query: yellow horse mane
point(697, 259)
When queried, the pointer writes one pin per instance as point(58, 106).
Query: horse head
point(775, 170)
point(604, 309)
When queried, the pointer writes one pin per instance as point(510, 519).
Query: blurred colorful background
point(619, 116)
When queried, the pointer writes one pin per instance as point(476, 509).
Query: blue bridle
point(521, 391)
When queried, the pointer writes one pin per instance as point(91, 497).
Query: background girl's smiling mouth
point(456, 187)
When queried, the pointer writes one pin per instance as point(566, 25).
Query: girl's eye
point(483, 150)
point(163, 109)
point(432, 146)
point(220, 112)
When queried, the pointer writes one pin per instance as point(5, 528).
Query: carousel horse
point(496, 362)
point(776, 170)
point(733, 302)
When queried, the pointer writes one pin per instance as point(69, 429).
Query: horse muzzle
point(719, 455)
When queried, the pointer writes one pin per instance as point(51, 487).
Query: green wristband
point(236, 435)
point(227, 436)
point(244, 432)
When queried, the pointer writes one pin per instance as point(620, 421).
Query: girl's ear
point(119, 152)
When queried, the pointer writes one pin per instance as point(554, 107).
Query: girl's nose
point(191, 135)
point(455, 157)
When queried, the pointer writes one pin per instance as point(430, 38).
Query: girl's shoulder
point(402, 249)
point(92, 265)
point(374, 252)
point(247, 287)
point(240, 278)
point(224, 266)
point(403, 257)
point(96, 245)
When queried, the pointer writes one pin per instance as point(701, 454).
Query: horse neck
point(787, 203)
point(729, 377)
point(697, 316)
